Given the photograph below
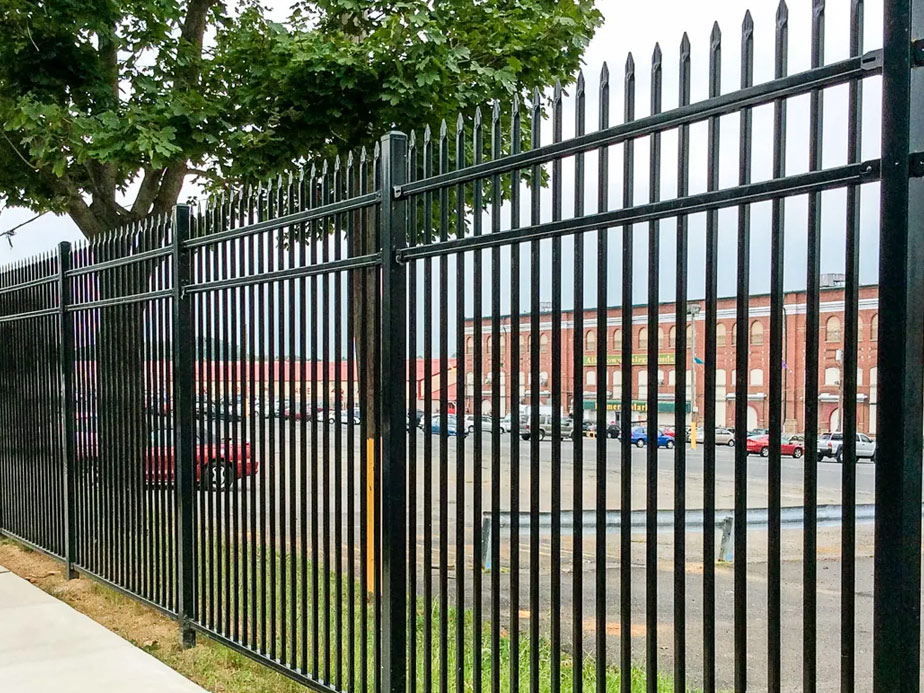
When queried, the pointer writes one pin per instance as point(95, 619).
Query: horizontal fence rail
point(362, 423)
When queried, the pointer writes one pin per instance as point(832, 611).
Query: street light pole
point(693, 311)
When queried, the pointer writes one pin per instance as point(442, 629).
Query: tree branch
point(150, 184)
point(192, 33)
point(170, 186)
point(86, 221)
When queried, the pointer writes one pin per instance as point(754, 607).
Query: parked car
point(612, 430)
point(588, 427)
point(544, 426)
point(760, 445)
point(415, 419)
point(640, 438)
point(831, 444)
point(452, 427)
point(219, 464)
point(344, 416)
point(506, 424)
point(723, 436)
point(486, 424)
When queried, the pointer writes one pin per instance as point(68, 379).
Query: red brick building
point(831, 342)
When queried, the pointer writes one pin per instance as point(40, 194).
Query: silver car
point(545, 427)
point(724, 437)
point(831, 444)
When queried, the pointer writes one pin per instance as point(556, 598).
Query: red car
point(760, 445)
point(219, 464)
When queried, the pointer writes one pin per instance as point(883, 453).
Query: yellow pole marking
point(370, 514)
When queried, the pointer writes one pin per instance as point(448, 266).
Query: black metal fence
point(218, 413)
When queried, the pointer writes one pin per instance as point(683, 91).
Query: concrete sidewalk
point(46, 645)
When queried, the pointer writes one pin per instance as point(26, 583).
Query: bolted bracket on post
point(393, 232)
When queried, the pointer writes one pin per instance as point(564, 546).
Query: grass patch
point(222, 670)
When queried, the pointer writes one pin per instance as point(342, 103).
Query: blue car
point(640, 438)
point(452, 428)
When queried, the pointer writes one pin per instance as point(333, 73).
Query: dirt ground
point(212, 666)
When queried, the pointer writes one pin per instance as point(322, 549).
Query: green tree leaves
point(98, 94)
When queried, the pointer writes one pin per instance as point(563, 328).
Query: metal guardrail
point(757, 518)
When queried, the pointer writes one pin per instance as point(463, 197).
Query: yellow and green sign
point(639, 405)
point(637, 359)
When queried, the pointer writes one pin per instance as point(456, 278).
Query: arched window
point(734, 334)
point(617, 340)
point(543, 343)
point(488, 345)
point(757, 333)
point(672, 337)
point(874, 328)
point(757, 377)
point(590, 341)
point(859, 330)
point(660, 338)
point(720, 335)
point(643, 338)
point(833, 329)
point(469, 345)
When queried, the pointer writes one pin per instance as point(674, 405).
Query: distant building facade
point(830, 363)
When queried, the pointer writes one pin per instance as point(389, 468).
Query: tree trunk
point(123, 424)
point(364, 295)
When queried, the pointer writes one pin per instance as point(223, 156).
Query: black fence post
point(897, 593)
point(68, 406)
point(394, 416)
point(184, 349)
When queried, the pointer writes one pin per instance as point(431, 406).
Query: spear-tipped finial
point(337, 164)
point(604, 75)
point(656, 56)
point(411, 142)
point(376, 151)
point(460, 123)
point(496, 111)
point(477, 116)
point(685, 47)
point(537, 99)
point(324, 167)
point(557, 93)
point(515, 107)
point(782, 14)
point(349, 161)
point(363, 155)
point(630, 66)
point(314, 170)
point(427, 136)
point(579, 87)
point(301, 174)
point(443, 128)
point(278, 184)
point(291, 178)
point(747, 26)
point(716, 36)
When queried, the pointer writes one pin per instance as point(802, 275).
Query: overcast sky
point(636, 27)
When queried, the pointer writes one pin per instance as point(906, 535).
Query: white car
point(831, 444)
